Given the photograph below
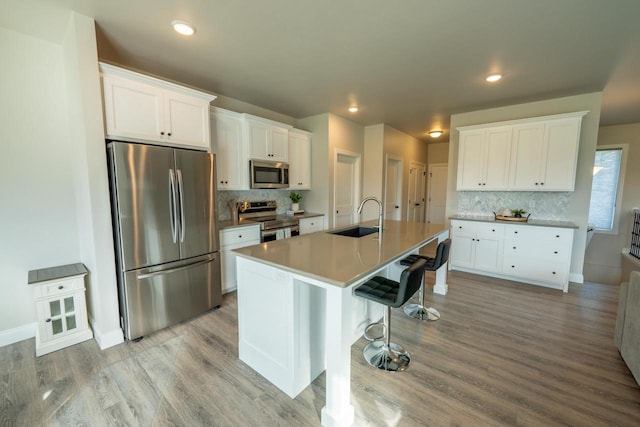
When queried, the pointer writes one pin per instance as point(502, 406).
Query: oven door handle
point(272, 232)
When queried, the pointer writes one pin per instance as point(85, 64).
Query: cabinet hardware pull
point(514, 247)
point(516, 232)
point(484, 183)
point(553, 272)
point(162, 133)
point(536, 183)
point(169, 134)
point(479, 183)
point(60, 287)
point(239, 236)
point(555, 252)
point(557, 235)
point(493, 229)
point(513, 266)
point(542, 183)
point(48, 320)
point(473, 240)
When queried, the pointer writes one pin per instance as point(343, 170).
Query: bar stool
point(383, 354)
point(419, 311)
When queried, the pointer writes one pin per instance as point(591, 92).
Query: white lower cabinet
point(311, 225)
point(538, 255)
point(231, 239)
point(477, 245)
point(61, 311)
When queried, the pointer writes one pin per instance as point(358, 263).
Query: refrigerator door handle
point(183, 224)
point(172, 205)
point(173, 270)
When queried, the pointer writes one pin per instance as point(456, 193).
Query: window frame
point(618, 202)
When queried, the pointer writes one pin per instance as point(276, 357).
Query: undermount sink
point(355, 231)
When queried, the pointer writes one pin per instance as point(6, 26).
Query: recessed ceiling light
point(494, 78)
point(353, 109)
point(435, 133)
point(183, 27)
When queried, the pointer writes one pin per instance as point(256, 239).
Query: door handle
point(172, 205)
point(173, 270)
point(183, 225)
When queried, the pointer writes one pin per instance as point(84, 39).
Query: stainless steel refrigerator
point(164, 217)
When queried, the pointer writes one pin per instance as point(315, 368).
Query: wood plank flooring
point(503, 354)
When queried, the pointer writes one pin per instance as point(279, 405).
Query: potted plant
point(518, 212)
point(295, 200)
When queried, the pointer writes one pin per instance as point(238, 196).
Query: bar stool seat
point(383, 354)
point(419, 311)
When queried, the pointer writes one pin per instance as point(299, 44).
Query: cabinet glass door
point(62, 315)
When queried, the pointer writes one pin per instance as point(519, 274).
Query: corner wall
point(575, 205)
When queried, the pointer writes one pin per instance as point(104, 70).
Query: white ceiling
point(408, 63)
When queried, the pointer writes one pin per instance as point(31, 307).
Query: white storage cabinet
point(477, 245)
point(533, 154)
point(61, 309)
point(227, 142)
point(234, 238)
point(311, 225)
point(267, 140)
point(299, 160)
point(484, 157)
point(139, 108)
point(540, 254)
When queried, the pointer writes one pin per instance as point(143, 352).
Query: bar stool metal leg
point(419, 311)
point(384, 354)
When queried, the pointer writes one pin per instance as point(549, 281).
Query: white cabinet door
point(477, 245)
point(483, 163)
point(299, 160)
point(471, 161)
point(311, 225)
point(133, 109)
point(186, 120)
point(526, 157)
point(497, 156)
point(232, 170)
point(560, 154)
point(267, 142)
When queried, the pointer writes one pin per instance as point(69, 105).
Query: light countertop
point(538, 222)
point(341, 260)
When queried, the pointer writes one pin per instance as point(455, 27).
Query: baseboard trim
point(576, 278)
point(106, 339)
point(18, 334)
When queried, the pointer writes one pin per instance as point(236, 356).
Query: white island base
point(294, 324)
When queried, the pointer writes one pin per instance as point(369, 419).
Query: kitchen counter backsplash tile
point(280, 196)
point(551, 205)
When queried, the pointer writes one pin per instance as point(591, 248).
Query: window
point(606, 188)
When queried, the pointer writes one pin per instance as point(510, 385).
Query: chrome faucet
point(366, 199)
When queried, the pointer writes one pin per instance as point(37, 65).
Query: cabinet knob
point(60, 287)
point(484, 183)
point(555, 252)
point(553, 272)
point(48, 320)
point(169, 134)
point(477, 240)
point(162, 133)
point(460, 227)
point(515, 232)
point(542, 183)
point(557, 235)
point(514, 247)
point(239, 236)
point(513, 266)
point(479, 183)
point(536, 183)
point(473, 240)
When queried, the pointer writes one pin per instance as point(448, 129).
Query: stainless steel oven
point(272, 226)
point(269, 174)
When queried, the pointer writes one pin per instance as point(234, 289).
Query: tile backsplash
point(280, 196)
point(541, 205)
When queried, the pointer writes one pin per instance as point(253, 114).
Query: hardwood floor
point(503, 354)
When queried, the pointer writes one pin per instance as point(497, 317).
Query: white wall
point(38, 214)
point(438, 152)
point(577, 207)
point(602, 258)
point(373, 173)
point(91, 178)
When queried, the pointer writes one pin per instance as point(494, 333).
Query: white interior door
point(437, 194)
point(346, 188)
point(415, 203)
point(393, 189)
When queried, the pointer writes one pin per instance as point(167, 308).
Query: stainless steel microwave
point(269, 174)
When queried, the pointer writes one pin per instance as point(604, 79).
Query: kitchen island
point(297, 315)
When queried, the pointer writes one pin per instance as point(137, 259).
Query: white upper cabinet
point(227, 142)
point(299, 160)
point(267, 140)
point(537, 154)
point(484, 159)
point(145, 109)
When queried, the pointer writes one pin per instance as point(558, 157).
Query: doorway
point(393, 189)
point(415, 203)
point(437, 193)
point(346, 187)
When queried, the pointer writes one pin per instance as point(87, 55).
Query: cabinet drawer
point(484, 229)
point(311, 225)
point(540, 235)
point(555, 273)
point(542, 253)
point(239, 235)
point(58, 287)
